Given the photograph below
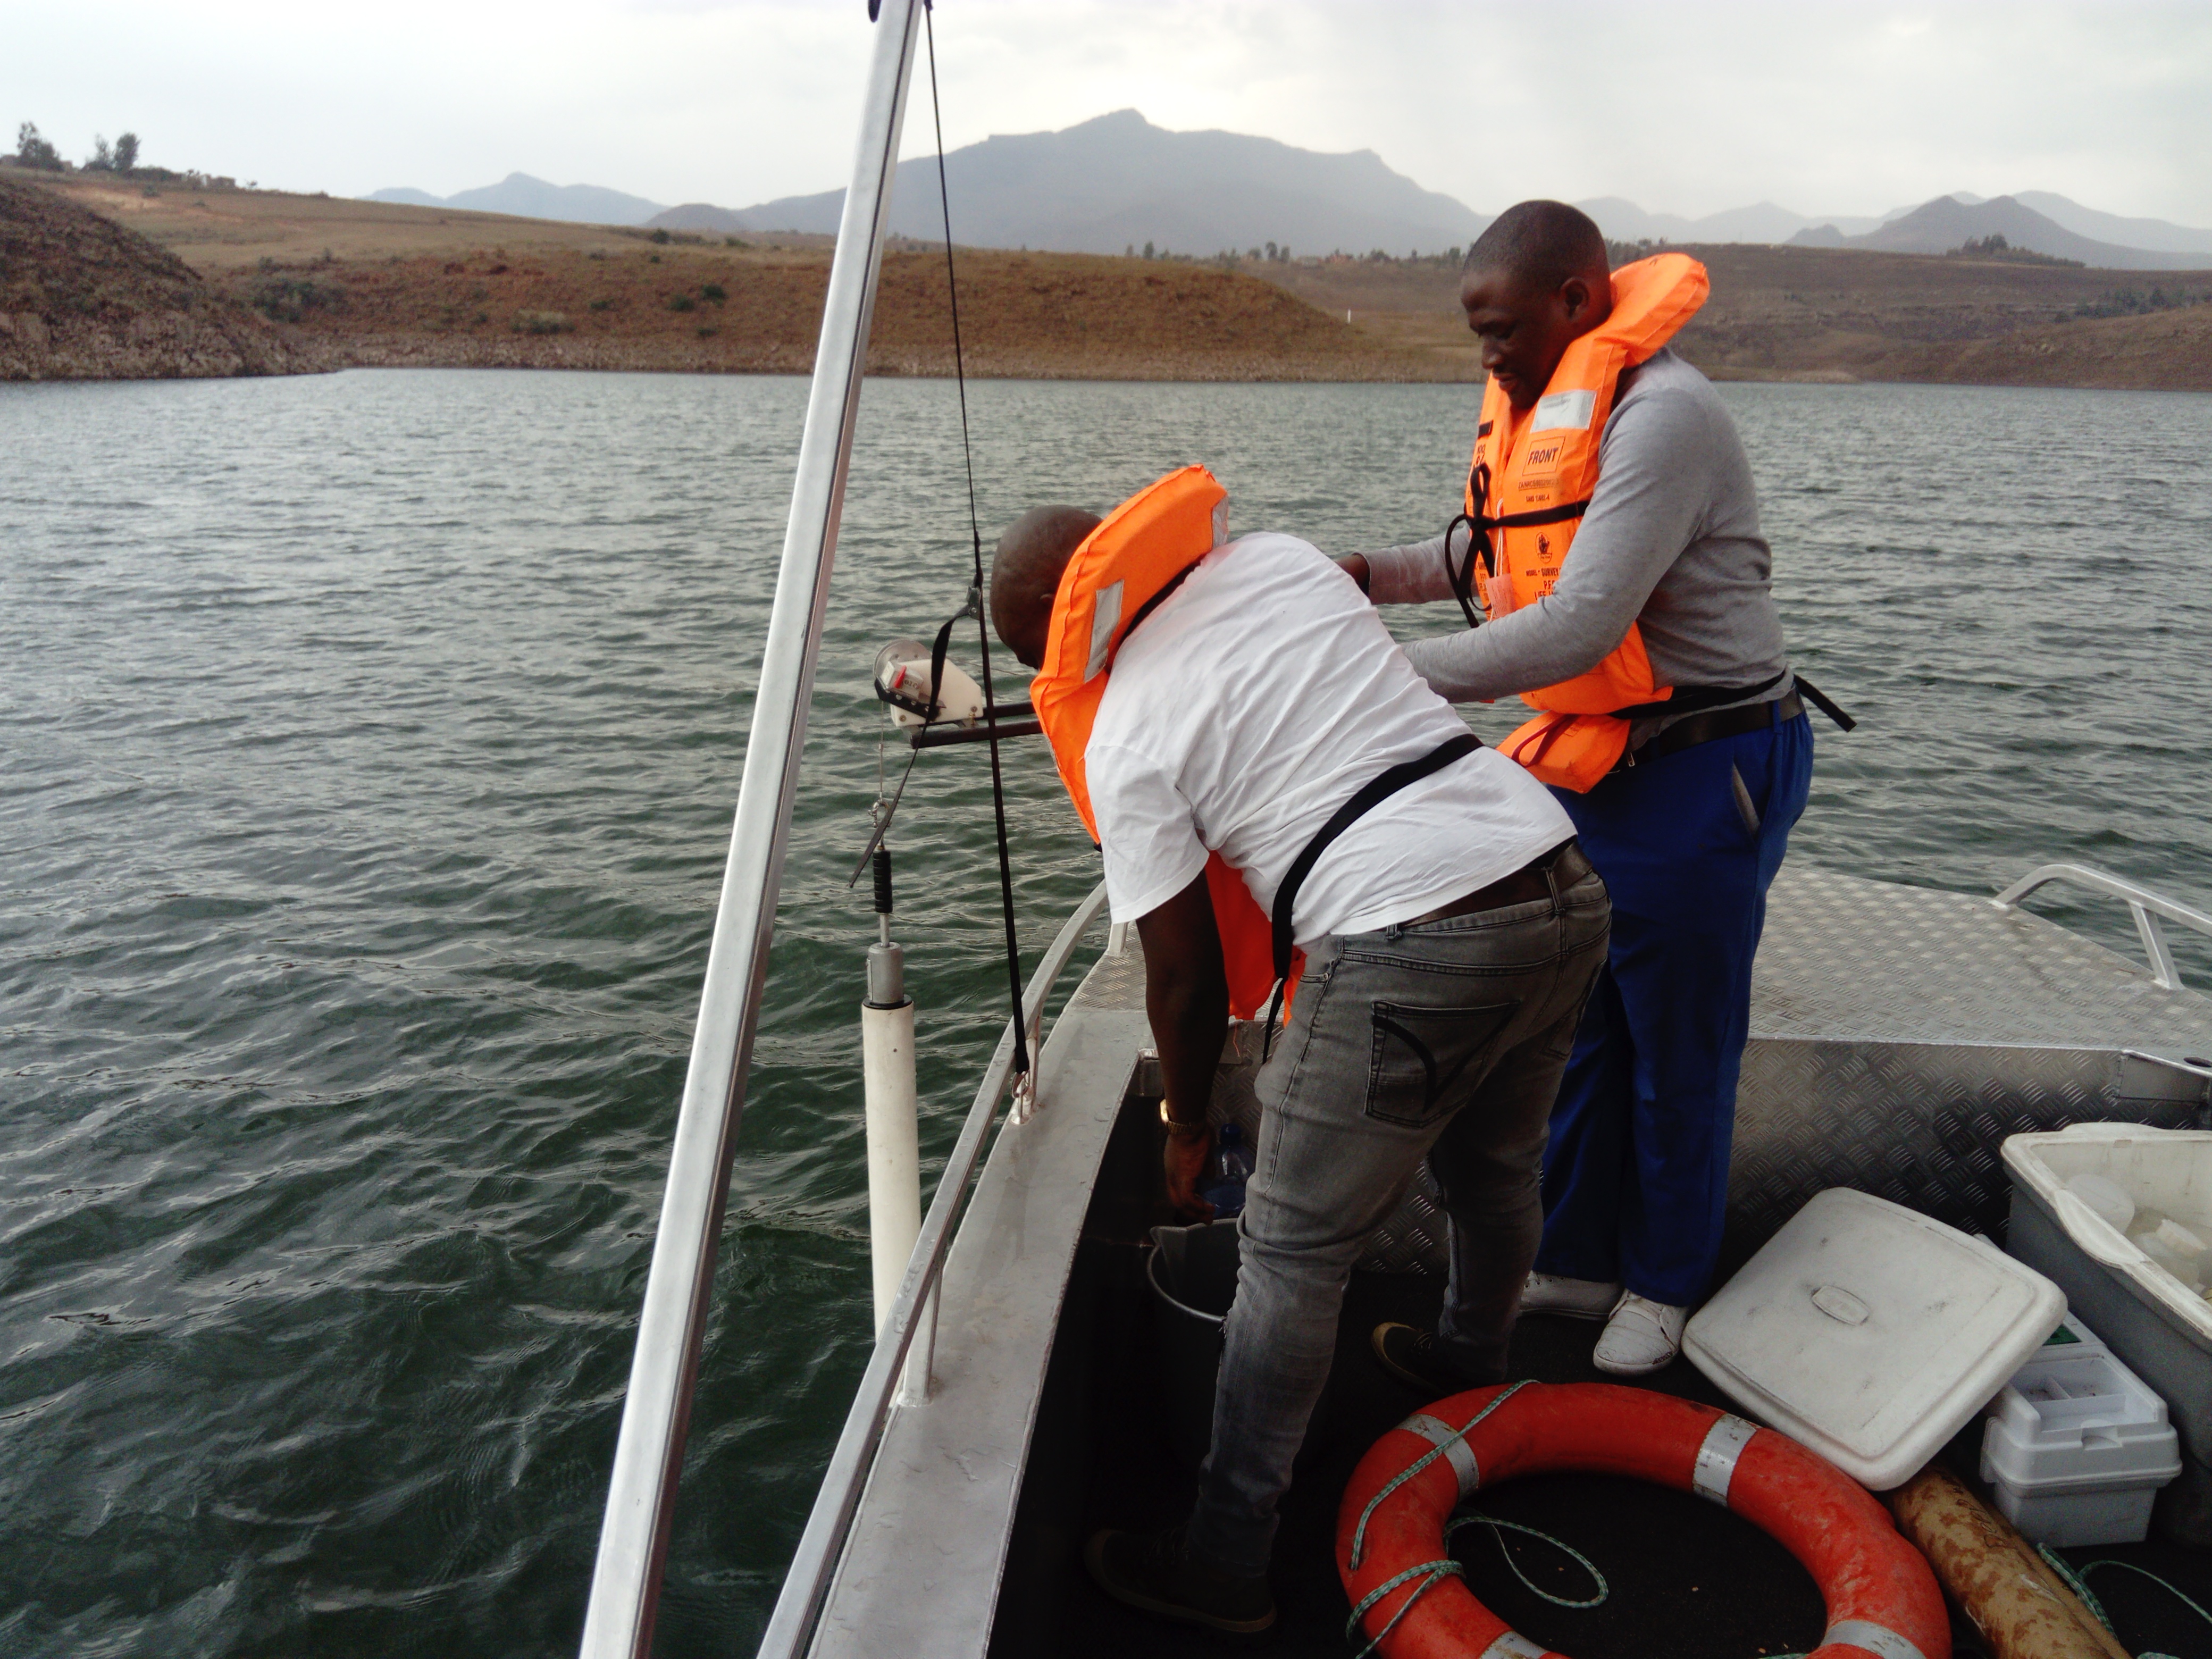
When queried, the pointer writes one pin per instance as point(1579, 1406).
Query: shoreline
point(100, 284)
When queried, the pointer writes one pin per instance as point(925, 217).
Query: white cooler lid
point(1871, 1333)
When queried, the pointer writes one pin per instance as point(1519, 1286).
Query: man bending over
point(1213, 710)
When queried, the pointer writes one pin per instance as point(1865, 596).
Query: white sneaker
point(1642, 1337)
point(1578, 1298)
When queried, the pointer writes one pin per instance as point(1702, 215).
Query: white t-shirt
point(1254, 701)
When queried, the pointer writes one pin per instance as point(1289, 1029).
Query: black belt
point(1371, 795)
point(1541, 877)
point(1710, 727)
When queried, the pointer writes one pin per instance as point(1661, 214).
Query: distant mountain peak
point(1118, 181)
point(532, 198)
point(1946, 222)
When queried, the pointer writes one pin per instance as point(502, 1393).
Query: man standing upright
point(1610, 535)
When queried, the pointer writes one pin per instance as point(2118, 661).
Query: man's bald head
point(1025, 572)
point(1540, 244)
point(1534, 282)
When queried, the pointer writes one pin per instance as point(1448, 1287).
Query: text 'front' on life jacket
point(1118, 570)
point(1530, 482)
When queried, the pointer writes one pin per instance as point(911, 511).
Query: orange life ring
point(1882, 1599)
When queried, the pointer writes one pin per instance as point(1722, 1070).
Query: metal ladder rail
point(649, 1459)
point(822, 1545)
point(2143, 904)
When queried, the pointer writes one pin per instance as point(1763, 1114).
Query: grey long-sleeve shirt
point(1671, 542)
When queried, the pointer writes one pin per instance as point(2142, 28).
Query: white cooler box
point(2077, 1447)
point(2154, 1325)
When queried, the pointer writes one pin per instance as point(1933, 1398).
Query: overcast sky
point(1686, 108)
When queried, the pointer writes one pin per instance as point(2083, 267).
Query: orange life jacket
point(1123, 566)
point(1530, 482)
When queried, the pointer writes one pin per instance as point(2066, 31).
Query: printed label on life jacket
point(1105, 614)
point(1564, 411)
point(1540, 468)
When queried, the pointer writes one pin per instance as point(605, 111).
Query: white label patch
point(1564, 410)
point(1457, 1452)
point(1875, 1638)
point(1221, 521)
point(1105, 618)
point(1716, 1458)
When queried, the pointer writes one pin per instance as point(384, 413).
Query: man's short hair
point(1540, 244)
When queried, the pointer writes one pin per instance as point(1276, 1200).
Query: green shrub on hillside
point(287, 299)
point(540, 322)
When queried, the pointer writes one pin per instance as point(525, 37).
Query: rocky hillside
point(81, 298)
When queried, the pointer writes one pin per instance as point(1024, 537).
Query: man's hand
point(1183, 1159)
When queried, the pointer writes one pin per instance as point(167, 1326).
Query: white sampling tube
point(894, 1158)
point(887, 1082)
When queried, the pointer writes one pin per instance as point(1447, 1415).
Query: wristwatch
point(1175, 1123)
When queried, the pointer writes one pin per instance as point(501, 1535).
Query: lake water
point(370, 744)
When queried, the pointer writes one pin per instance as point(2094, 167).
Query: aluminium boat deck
point(1899, 1034)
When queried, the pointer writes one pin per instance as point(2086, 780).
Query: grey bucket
point(1192, 1272)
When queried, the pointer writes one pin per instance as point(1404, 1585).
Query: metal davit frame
point(649, 1454)
point(2145, 906)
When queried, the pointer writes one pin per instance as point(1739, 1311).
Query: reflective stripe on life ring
point(1881, 1598)
point(1717, 1457)
point(1438, 1432)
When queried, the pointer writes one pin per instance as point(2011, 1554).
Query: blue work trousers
point(1636, 1172)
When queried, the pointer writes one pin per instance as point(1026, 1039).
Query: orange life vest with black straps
point(1114, 577)
point(1529, 484)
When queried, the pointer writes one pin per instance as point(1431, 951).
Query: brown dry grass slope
point(372, 283)
point(719, 309)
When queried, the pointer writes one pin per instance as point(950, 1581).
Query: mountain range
point(533, 198)
point(1947, 223)
point(1118, 182)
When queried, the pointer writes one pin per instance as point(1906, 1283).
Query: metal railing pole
point(649, 1454)
point(2144, 905)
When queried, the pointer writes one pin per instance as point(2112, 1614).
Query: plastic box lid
point(2075, 1419)
point(1871, 1333)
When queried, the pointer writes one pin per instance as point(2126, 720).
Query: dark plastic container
point(1192, 1272)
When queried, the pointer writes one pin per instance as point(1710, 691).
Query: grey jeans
point(1443, 1040)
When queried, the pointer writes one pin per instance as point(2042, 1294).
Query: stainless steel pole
point(649, 1454)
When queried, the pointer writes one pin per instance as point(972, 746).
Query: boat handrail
point(822, 1545)
point(680, 1284)
point(2146, 906)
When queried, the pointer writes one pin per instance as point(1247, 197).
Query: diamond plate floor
point(1845, 957)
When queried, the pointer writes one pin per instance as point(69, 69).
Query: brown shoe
point(1410, 1355)
point(1153, 1572)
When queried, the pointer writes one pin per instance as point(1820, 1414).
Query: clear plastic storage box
point(2077, 1447)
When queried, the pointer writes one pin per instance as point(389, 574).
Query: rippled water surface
point(370, 743)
